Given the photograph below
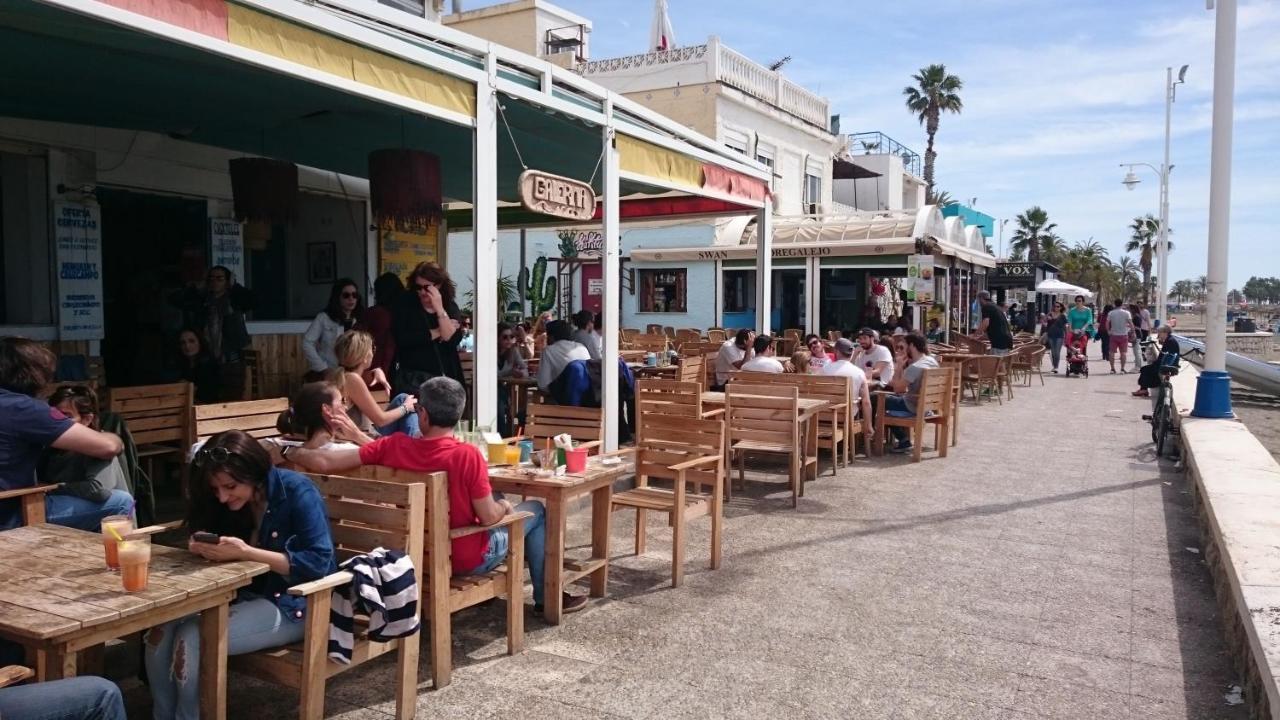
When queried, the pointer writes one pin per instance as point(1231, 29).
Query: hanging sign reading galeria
point(556, 196)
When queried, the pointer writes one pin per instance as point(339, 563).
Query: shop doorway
point(839, 302)
point(789, 302)
point(152, 246)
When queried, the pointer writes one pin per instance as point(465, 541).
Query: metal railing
point(877, 143)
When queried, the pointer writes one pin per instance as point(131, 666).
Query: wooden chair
point(11, 674)
point(31, 500)
point(1029, 361)
point(256, 417)
point(668, 399)
point(968, 344)
point(627, 335)
point(933, 407)
point(653, 329)
point(669, 331)
point(468, 361)
point(443, 592)
point(957, 368)
point(1004, 373)
point(834, 425)
point(686, 335)
point(654, 343)
point(584, 424)
point(691, 369)
point(982, 374)
point(764, 419)
point(158, 416)
point(717, 335)
point(363, 515)
point(686, 452)
point(251, 386)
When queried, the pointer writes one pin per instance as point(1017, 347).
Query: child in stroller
point(1077, 347)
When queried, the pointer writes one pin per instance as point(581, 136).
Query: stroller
point(1077, 361)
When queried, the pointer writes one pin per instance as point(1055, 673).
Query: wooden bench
point(158, 417)
point(686, 452)
point(363, 515)
point(443, 592)
point(256, 417)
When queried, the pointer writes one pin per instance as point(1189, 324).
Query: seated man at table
point(560, 351)
point(763, 357)
point(471, 500)
point(733, 354)
point(908, 374)
point(584, 333)
point(875, 359)
point(845, 367)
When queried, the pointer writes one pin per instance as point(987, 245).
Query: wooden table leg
point(213, 662)
point(92, 660)
point(601, 507)
point(554, 562)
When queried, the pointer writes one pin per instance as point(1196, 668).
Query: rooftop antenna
point(777, 64)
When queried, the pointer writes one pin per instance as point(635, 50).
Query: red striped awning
point(734, 183)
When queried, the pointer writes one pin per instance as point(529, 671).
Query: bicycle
point(1161, 417)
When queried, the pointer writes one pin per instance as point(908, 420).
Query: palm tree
point(1202, 288)
point(1087, 265)
point(1143, 235)
point(944, 199)
point(1033, 230)
point(1053, 249)
point(934, 92)
point(1127, 274)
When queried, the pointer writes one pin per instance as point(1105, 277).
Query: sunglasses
point(350, 295)
point(216, 456)
point(421, 288)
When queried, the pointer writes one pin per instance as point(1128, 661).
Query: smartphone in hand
point(206, 537)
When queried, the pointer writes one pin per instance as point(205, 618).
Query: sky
point(1056, 95)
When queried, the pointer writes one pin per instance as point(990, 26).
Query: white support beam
point(485, 226)
point(612, 300)
point(764, 268)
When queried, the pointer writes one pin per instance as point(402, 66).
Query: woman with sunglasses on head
point(355, 352)
point(318, 417)
point(87, 488)
point(242, 508)
point(344, 311)
point(427, 326)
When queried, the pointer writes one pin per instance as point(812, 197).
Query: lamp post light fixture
point(1131, 181)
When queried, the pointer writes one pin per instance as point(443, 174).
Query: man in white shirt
point(585, 333)
point(843, 365)
point(875, 359)
point(733, 354)
point(910, 374)
point(1119, 325)
point(560, 351)
point(763, 359)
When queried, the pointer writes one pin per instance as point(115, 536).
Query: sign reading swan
point(557, 196)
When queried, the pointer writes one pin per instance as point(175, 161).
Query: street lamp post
point(1131, 181)
point(1213, 388)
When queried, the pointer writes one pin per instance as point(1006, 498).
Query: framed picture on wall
point(322, 263)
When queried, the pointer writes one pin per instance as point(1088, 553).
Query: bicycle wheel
point(1155, 415)
point(1160, 425)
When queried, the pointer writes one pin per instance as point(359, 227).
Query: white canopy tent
point(1054, 286)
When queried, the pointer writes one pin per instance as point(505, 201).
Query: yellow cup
point(513, 455)
point(498, 453)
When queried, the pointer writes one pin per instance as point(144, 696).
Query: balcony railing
point(877, 143)
point(733, 69)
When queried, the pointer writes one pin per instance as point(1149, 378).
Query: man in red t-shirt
point(471, 499)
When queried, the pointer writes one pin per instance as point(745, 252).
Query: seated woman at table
point(197, 366)
point(799, 363)
point(260, 513)
point(935, 333)
point(29, 425)
point(354, 351)
point(318, 417)
point(87, 488)
point(524, 340)
point(510, 365)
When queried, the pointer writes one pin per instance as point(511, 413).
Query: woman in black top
point(427, 327)
point(1056, 332)
point(197, 366)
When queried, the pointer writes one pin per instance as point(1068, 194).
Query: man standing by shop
point(218, 312)
point(995, 325)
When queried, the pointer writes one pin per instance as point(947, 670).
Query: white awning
point(1057, 287)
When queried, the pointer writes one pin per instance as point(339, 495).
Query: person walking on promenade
point(1119, 327)
point(1080, 318)
point(1055, 332)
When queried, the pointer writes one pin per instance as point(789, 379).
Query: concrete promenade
point(1047, 569)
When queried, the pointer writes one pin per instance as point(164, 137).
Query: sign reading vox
point(557, 196)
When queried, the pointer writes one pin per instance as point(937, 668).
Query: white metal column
point(812, 295)
point(764, 268)
point(485, 204)
point(611, 269)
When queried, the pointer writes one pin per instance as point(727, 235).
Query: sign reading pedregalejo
point(556, 196)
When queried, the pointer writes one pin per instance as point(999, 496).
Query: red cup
point(575, 461)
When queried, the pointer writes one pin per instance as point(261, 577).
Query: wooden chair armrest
point(158, 528)
point(11, 674)
point(587, 445)
point(708, 414)
point(617, 453)
point(9, 494)
point(509, 519)
point(328, 582)
point(687, 464)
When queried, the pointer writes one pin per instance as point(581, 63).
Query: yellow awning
point(670, 167)
point(283, 39)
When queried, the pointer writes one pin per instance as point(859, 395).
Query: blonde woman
point(800, 361)
point(354, 350)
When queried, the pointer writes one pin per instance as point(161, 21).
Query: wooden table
point(557, 492)
point(658, 371)
point(808, 410)
point(60, 599)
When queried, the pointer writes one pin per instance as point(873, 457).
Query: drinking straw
point(112, 529)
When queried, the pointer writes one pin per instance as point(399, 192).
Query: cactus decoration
point(537, 288)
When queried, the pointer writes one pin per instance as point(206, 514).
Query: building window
point(736, 140)
point(739, 290)
point(765, 153)
point(812, 194)
point(664, 291)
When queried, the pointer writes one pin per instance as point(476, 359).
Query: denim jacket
point(296, 524)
